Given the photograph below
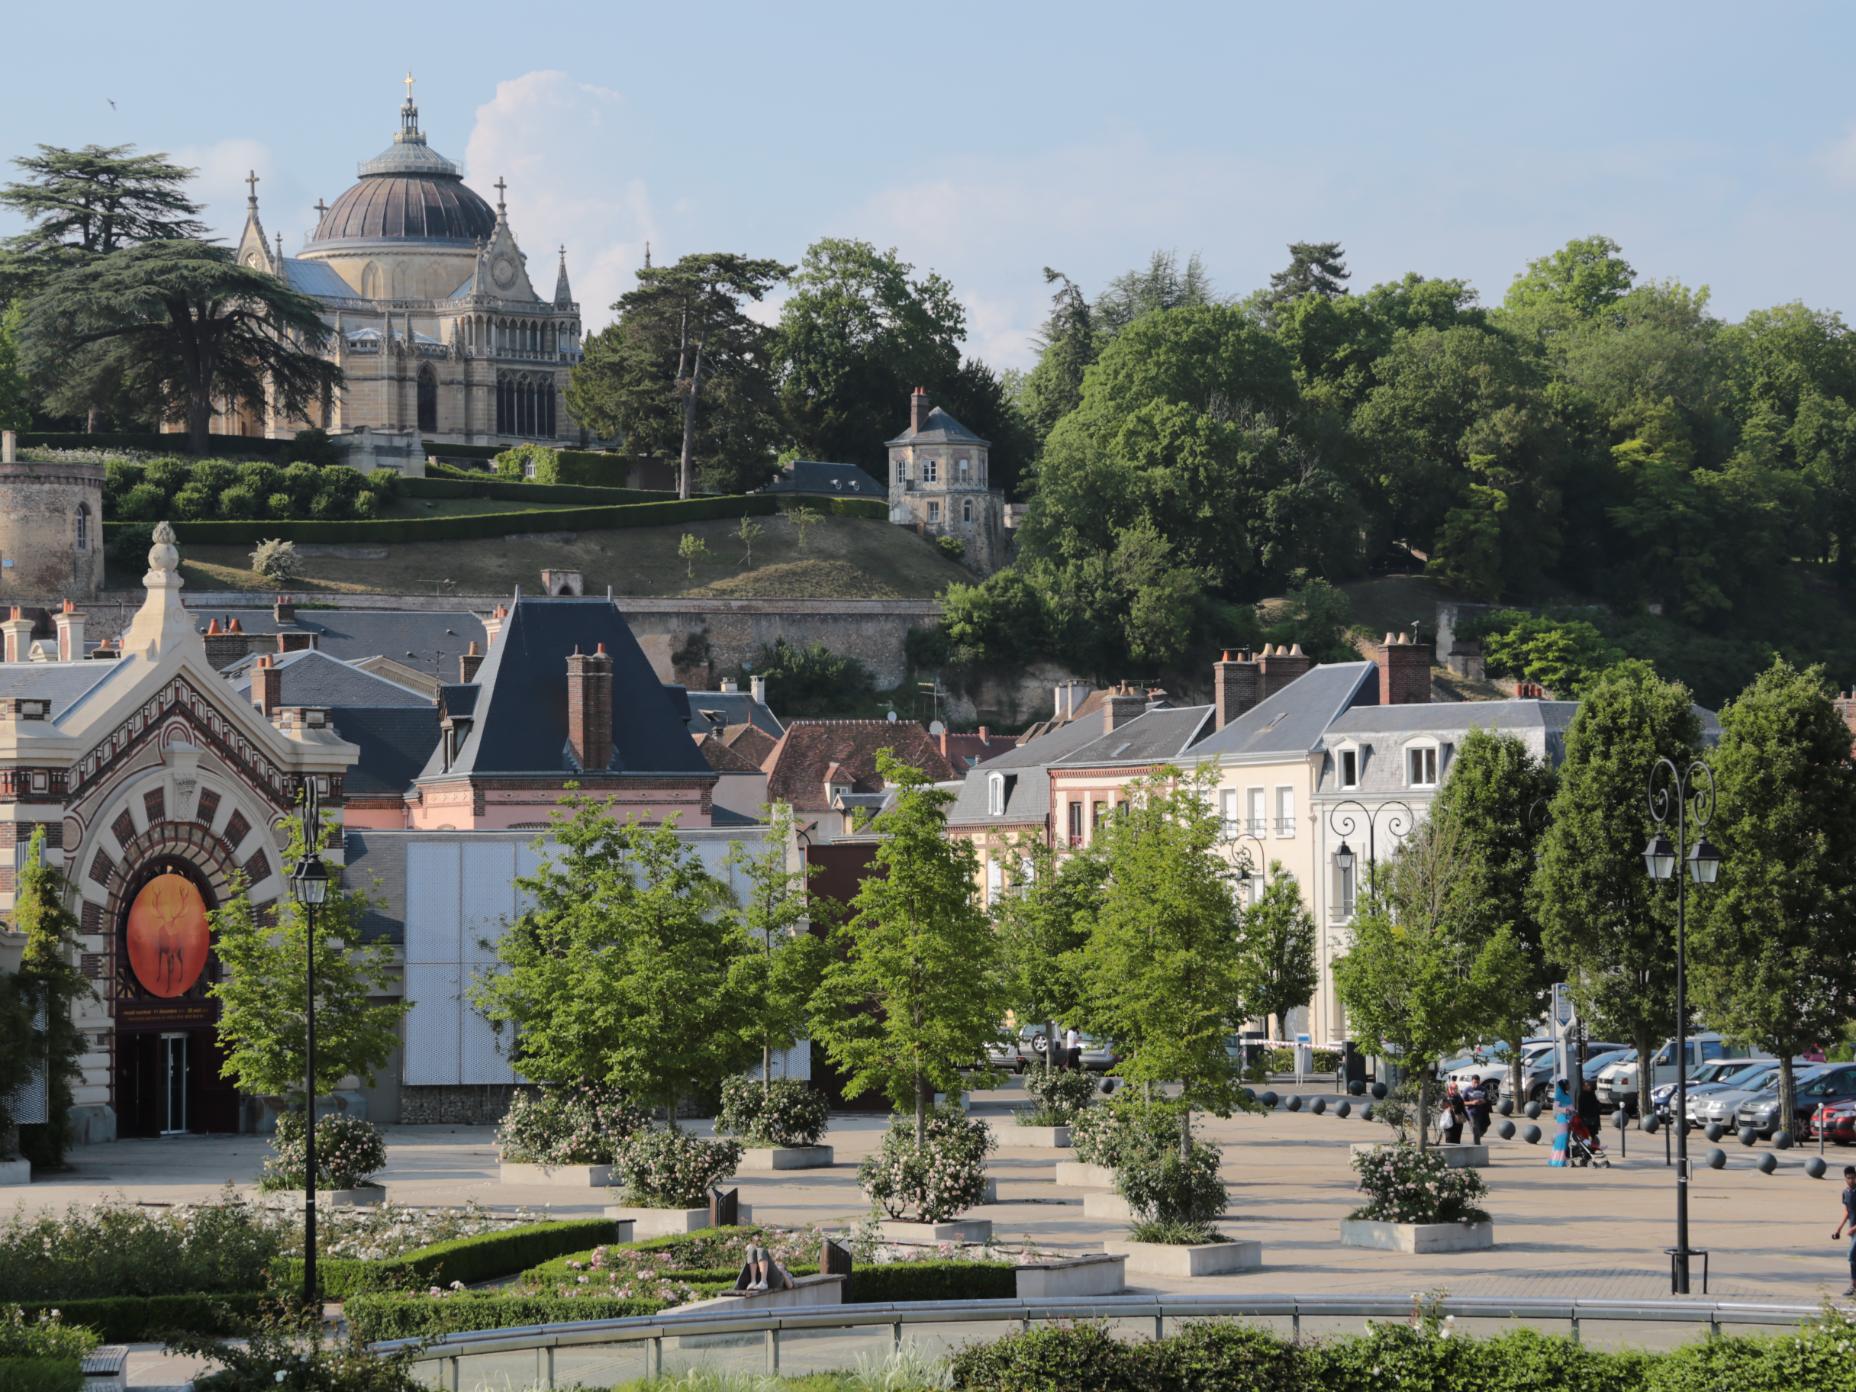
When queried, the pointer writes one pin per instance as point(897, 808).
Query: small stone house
point(939, 484)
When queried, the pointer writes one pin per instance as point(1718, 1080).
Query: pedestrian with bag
point(1849, 1221)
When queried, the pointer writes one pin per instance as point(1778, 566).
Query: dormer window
point(1421, 765)
point(995, 795)
point(1347, 766)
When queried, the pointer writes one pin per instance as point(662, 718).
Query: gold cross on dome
point(409, 84)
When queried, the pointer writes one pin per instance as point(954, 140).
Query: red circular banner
point(168, 937)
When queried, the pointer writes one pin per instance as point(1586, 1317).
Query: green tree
point(1277, 972)
point(1066, 346)
point(1315, 268)
point(1601, 919)
point(263, 990)
point(15, 391)
point(858, 334)
point(691, 549)
point(48, 985)
point(188, 323)
point(1771, 943)
point(917, 992)
point(812, 682)
point(1043, 922)
point(1579, 280)
point(771, 902)
point(1164, 966)
point(747, 534)
point(1161, 284)
point(685, 370)
point(802, 520)
point(628, 969)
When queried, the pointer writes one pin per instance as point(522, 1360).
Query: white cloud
point(220, 184)
point(562, 145)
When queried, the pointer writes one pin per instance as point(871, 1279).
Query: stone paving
point(1559, 1233)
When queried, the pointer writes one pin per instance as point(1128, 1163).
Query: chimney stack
point(267, 686)
point(284, 610)
point(757, 688)
point(1281, 665)
point(17, 632)
point(727, 687)
point(1064, 703)
point(468, 662)
point(70, 626)
point(494, 625)
point(1405, 670)
point(1237, 685)
point(1122, 705)
point(918, 410)
point(9, 447)
point(589, 708)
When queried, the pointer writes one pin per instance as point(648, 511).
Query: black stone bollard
point(1748, 1136)
point(1768, 1163)
point(1717, 1159)
point(1343, 1109)
point(1531, 1135)
point(1505, 1130)
point(1815, 1167)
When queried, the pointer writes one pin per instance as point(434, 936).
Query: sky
point(986, 141)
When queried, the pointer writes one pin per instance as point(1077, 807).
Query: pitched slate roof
point(1293, 720)
point(1152, 735)
point(317, 278)
point(807, 751)
point(395, 743)
point(312, 678)
point(733, 708)
point(59, 683)
point(420, 638)
point(520, 720)
point(1445, 717)
point(830, 480)
point(939, 429)
point(1027, 784)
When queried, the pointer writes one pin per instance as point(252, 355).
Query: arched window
point(373, 282)
point(428, 399)
point(83, 526)
point(966, 509)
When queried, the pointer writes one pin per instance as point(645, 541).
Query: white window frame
point(962, 469)
point(1417, 753)
point(1227, 811)
point(995, 794)
point(966, 509)
point(934, 510)
point(1285, 809)
point(1346, 891)
point(1257, 801)
point(995, 881)
point(931, 471)
point(1342, 752)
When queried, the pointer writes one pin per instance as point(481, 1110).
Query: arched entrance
point(428, 399)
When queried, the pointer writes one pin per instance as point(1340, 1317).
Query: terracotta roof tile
point(797, 766)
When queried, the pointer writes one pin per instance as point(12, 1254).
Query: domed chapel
point(435, 321)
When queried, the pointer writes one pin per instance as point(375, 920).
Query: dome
point(408, 193)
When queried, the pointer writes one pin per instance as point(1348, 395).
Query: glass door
point(173, 1065)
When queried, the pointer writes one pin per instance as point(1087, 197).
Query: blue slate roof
point(395, 743)
point(1293, 720)
point(939, 429)
point(827, 480)
point(312, 678)
point(317, 278)
point(429, 639)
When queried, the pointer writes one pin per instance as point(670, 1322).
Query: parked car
point(1537, 1082)
point(1718, 1101)
point(1619, 1081)
point(1835, 1120)
point(1486, 1060)
point(1006, 1054)
point(1830, 1082)
point(1098, 1057)
point(1707, 1075)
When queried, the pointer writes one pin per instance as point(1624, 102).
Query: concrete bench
point(105, 1368)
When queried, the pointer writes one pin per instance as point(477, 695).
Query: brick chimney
point(1122, 704)
point(284, 610)
point(1405, 670)
point(918, 410)
point(1282, 665)
point(267, 686)
point(468, 662)
point(299, 641)
point(1237, 685)
point(589, 708)
point(17, 632)
point(70, 625)
point(757, 688)
point(494, 625)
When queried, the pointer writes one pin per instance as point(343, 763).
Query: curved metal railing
point(441, 1361)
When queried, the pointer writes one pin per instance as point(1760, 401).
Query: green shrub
point(214, 475)
point(382, 1315)
point(41, 1375)
point(134, 1319)
point(951, 546)
point(932, 1280)
point(1163, 1186)
point(776, 1112)
point(168, 474)
point(313, 446)
point(669, 1168)
point(193, 501)
point(261, 478)
point(290, 1351)
point(468, 1259)
point(534, 463)
point(280, 505)
point(366, 505)
point(943, 1177)
point(388, 483)
point(118, 1249)
point(238, 501)
point(1104, 1134)
point(236, 446)
point(44, 1335)
point(143, 503)
point(1062, 1094)
point(302, 482)
point(1076, 1356)
point(570, 1124)
point(348, 1151)
point(1403, 1184)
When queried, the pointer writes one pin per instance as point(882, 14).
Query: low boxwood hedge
point(467, 1259)
point(476, 527)
point(230, 446)
point(132, 1319)
point(931, 1280)
point(396, 1315)
point(41, 1375)
point(489, 486)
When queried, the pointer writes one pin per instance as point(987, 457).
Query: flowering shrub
point(783, 1112)
point(47, 1336)
point(1403, 1184)
point(348, 1150)
point(1062, 1095)
point(1160, 1184)
point(388, 1230)
point(937, 1180)
point(580, 1124)
point(667, 1168)
point(1103, 1135)
point(117, 1248)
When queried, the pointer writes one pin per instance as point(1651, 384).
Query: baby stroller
point(1584, 1148)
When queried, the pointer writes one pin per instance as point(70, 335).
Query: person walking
point(1451, 1118)
point(1476, 1103)
point(1849, 1221)
point(1072, 1049)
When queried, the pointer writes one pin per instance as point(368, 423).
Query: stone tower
point(51, 528)
point(939, 485)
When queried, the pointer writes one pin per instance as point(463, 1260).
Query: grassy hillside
point(844, 558)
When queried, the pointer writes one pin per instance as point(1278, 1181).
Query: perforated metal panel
point(432, 901)
point(432, 1024)
point(489, 900)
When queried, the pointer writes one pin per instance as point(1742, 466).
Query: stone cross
point(322, 209)
point(251, 183)
point(499, 186)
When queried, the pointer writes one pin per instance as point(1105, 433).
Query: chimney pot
point(69, 625)
point(589, 709)
point(267, 686)
point(1404, 671)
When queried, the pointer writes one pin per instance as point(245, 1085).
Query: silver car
point(1719, 1101)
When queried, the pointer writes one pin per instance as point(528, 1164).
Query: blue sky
point(1716, 142)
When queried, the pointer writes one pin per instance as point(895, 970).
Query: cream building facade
point(435, 320)
point(939, 484)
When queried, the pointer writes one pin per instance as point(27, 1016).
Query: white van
point(1617, 1085)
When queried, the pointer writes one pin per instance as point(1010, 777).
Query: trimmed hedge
point(467, 1259)
point(384, 1315)
point(41, 1375)
point(445, 486)
point(931, 1280)
point(134, 1319)
point(387, 530)
point(250, 446)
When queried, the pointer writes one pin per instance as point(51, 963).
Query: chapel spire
point(409, 132)
point(563, 293)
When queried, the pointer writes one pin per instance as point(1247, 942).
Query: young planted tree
point(1277, 972)
point(802, 520)
point(263, 995)
point(747, 534)
point(1043, 924)
point(627, 969)
point(1602, 919)
point(37, 1027)
point(1771, 951)
point(785, 970)
point(691, 549)
point(1164, 966)
point(917, 992)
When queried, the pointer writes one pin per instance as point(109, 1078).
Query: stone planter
point(1204, 1259)
point(1417, 1237)
point(1078, 1174)
point(761, 1159)
point(953, 1230)
point(806, 1292)
point(1108, 1205)
point(666, 1222)
point(1092, 1275)
point(1039, 1137)
point(1456, 1157)
point(555, 1176)
point(15, 1172)
point(361, 1196)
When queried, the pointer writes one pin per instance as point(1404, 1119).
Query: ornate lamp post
point(1344, 823)
point(1243, 868)
point(1688, 795)
point(309, 882)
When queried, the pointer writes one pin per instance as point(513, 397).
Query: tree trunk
point(1515, 1076)
point(1185, 1135)
point(1646, 1070)
point(1788, 1097)
point(686, 471)
point(199, 425)
point(92, 416)
point(922, 1099)
point(1424, 1109)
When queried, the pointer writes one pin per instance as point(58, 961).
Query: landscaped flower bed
point(667, 1168)
point(349, 1152)
point(579, 1124)
point(780, 1112)
point(933, 1182)
point(1416, 1203)
point(1062, 1095)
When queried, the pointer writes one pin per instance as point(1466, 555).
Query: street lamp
point(1344, 823)
point(1686, 794)
point(309, 883)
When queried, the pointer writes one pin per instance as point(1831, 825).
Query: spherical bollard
point(1748, 1136)
point(1717, 1159)
point(1533, 1111)
point(1379, 1092)
point(1652, 1124)
point(1768, 1163)
point(1505, 1130)
point(1505, 1106)
point(1318, 1106)
point(1621, 1119)
point(1815, 1167)
point(1269, 1099)
point(1295, 1104)
point(1248, 1094)
point(1366, 1112)
point(1782, 1140)
point(1357, 1087)
point(1715, 1131)
point(1343, 1108)
point(1531, 1135)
